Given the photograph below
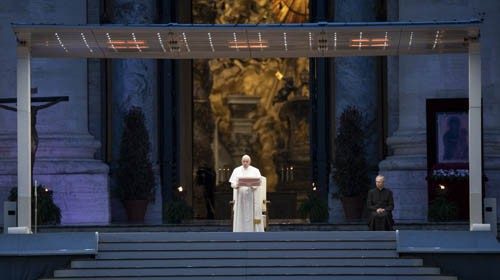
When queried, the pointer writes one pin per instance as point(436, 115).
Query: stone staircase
point(226, 256)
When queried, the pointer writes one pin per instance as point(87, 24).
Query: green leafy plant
point(314, 208)
point(48, 213)
point(135, 178)
point(351, 167)
point(177, 211)
point(441, 209)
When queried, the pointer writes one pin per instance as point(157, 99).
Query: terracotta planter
point(136, 210)
point(353, 207)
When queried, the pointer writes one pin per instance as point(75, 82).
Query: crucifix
point(49, 101)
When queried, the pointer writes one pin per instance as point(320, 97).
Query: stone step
point(254, 245)
point(272, 277)
point(243, 271)
point(215, 254)
point(295, 236)
point(243, 262)
point(309, 255)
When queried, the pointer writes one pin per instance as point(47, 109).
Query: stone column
point(357, 78)
point(439, 76)
point(134, 83)
point(357, 83)
point(96, 84)
point(420, 77)
point(490, 47)
point(64, 161)
point(392, 80)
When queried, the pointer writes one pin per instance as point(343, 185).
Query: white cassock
point(247, 207)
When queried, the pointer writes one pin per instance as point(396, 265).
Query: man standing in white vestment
point(247, 205)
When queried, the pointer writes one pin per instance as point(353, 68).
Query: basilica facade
point(202, 115)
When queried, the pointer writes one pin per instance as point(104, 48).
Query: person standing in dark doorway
point(205, 176)
point(380, 203)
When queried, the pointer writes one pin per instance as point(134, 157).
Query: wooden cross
point(49, 101)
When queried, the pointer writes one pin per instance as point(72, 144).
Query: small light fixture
point(335, 41)
point(60, 42)
point(285, 43)
point(160, 40)
point(260, 41)
point(86, 43)
point(186, 41)
point(110, 42)
point(386, 40)
point(310, 41)
point(442, 187)
point(435, 40)
point(172, 42)
point(411, 40)
point(235, 40)
point(251, 44)
point(180, 189)
point(136, 43)
point(210, 41)
point(322, 42)
point(360, 40)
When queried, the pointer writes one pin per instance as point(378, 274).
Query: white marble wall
point(66, 149)
point(443, 76)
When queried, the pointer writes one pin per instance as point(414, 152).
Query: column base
point(65, 165)
point(335, 209)
point(491, 152)
point(492, 188)
point(409, 189)
point(82, 196)
point(405, 174)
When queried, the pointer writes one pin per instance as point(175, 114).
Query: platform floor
point(225, 226)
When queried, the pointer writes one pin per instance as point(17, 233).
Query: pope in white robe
point(247, 207)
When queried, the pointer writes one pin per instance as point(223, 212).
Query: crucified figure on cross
point(34, 111)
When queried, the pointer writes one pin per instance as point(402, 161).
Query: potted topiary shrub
point(48, 213)
point(315, 208)
point(441, 209)
point(351, 166)
point(135, 178)
point(177, 210)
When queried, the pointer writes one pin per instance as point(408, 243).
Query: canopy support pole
point(475, 138)
point(24, 132)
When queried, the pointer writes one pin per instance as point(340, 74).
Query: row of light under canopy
point(173, 44)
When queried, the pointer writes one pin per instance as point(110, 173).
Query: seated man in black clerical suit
point(380, 203)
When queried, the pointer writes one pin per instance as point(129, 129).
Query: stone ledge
point(58, 167)
point(439, 241)
point(45, 244)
